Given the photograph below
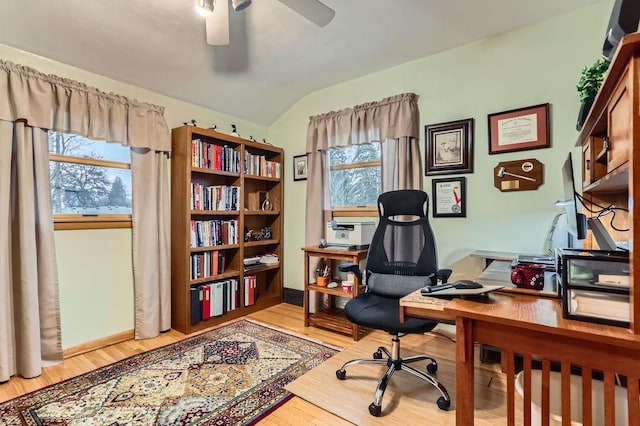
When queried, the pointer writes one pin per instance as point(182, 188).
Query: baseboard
point(294, 297)
point(97, 344)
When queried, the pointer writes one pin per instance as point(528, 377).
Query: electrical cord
point(439, 334)
point(611, 209)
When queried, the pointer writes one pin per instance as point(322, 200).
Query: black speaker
point(624, 20)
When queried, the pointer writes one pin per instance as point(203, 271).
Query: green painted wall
point(534, 65)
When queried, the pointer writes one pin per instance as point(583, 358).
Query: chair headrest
point(403, 202)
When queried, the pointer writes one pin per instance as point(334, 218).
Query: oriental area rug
point(231, 375)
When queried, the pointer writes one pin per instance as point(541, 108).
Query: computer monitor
point(576, 222)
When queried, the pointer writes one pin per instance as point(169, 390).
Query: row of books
point(207, 233)
point(214, 299)
point(215, 197)
point(215, 157)
point(217, 298)
point(250, 290)
point(259, 165)
point(207, 264)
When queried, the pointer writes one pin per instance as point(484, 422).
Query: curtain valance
point(391, 118)
point(64, 105)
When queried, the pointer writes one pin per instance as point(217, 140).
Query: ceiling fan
point(217, 15)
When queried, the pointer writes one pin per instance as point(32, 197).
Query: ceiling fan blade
point(313, 10)
point(217, 24)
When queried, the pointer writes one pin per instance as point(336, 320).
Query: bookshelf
point(221, 187)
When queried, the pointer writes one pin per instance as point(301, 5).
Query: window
point(355, 177)
point(90, 182)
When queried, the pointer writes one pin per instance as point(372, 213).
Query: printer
point(349, 235)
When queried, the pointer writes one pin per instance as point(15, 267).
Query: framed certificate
point(519, 129)
point(448, 197)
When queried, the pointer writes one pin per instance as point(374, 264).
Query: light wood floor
point(285, 316)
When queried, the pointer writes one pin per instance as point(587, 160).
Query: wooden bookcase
point(254, 171)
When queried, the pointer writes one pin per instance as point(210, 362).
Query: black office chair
point(401, 259)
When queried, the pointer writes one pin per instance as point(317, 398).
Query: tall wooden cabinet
point(219, 218)
point(610, 141)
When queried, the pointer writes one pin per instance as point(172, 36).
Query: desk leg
point(464, 372)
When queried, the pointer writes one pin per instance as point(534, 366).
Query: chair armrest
point(354, 268)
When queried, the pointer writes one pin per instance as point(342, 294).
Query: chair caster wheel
point(377, 355)
point(432, 367)
point(341, 374)
point(443, 404)
point(375, 410)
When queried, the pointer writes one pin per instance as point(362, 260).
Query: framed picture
point(449, 197)
point(519, 129)
point(449, 147)
point(300, 167)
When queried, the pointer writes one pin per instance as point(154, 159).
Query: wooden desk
point(331, 318)
point(534, 328)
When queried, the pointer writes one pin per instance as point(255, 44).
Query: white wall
point(94, 266)
point(535, 65)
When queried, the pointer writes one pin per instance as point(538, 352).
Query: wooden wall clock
point(518, 175)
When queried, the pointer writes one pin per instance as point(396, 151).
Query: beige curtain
point(393, 121)
point(151, 242)
point(401, 164)
point(40, 102)
point(29, 310)
point(55, 103)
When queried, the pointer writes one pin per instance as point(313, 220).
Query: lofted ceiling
point(275, 56)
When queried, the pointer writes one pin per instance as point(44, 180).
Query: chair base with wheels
point(394, 363)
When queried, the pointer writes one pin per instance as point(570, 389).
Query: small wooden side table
point(331, 318)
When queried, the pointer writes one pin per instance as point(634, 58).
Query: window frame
point(351, 210)
point(67, 221)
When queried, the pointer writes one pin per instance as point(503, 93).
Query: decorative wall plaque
point(518, 175)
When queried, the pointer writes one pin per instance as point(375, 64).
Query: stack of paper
point(600, 305)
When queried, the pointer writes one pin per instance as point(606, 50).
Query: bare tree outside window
point(355, 176)
point(89, 177)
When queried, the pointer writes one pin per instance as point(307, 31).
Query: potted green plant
point(590, 81)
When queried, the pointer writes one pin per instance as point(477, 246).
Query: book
point(196, 304)
point(269, 259)
point(206, 302)
point(249, 290)
point(215, 259)
point(217, 300)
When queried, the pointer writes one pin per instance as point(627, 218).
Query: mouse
point(466, 284)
